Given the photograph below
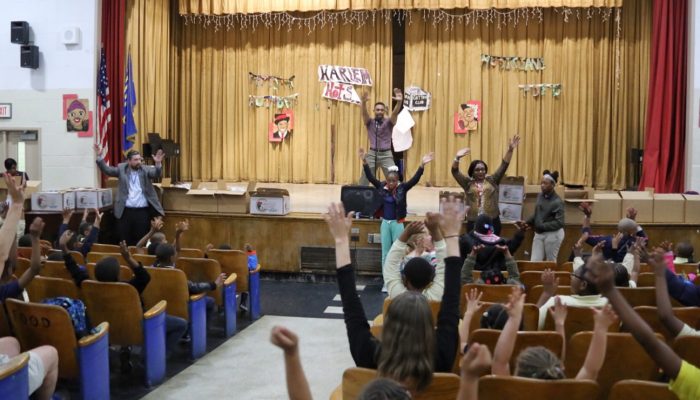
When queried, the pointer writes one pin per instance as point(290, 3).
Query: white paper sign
point(401, 134)
point(416, 99)
point(341, 92)
point(348, 75)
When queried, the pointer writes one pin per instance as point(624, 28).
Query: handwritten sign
point(341, 92)
point(347, 75)
point(6, 110)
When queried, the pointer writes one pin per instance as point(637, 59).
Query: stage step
point(318, 259)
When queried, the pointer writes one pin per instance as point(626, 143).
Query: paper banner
point(90, 130)
point(347, 75)
point(416, 99)
point(66, 99)
point(275, 81)
point(277, 102)
point(341, 92)
point(540, 89)
point(513, 62)
point(401, 134)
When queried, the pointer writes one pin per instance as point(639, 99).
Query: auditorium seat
point(14, 377)
point(125, 273)
point(491, 293)
point(190, 253)
point(550, 340)
point(207, 270)
point(42, 287)
point(120, 305)
point(5, 329)
point(646, 279)
point(22, 265)
point(567, 266)
point(534, 278)
point(534, 293)
point(171, 285)
point(493, 387)
point(236, 262)
point(476, 275)
point(624, 359)
point(94, 257)
point(78, 257)
point(578, 319)
point(55, 269)
point(443, 386)
point(636, 389)
point(644, 267)
point(686, 269)
point(104, 248)
point(146, 260)
point(641, 296)
point(688, 348)
point(434, 309)
point(524, 266)
point(85, 360)
point(689, 315)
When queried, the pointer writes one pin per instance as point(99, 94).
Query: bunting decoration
point(277, 102)
point(274, 81)
point(540, 89)
point(513, 63)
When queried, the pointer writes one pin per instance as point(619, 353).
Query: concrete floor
point(248, 366)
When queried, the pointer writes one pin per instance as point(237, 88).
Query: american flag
point(104, 115)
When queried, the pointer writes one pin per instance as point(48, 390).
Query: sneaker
point(384, 289)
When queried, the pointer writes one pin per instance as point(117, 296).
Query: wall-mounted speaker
point(19, 32)
point(29, 56)
point(70, 35)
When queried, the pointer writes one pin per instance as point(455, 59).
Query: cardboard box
point(93, 198)
point(175, 199)
point(643, 202)
point(202, 200)
point(510, 212)
point(269, 202)
point(669, 208)
point(572, 212)
point(53, 201)
point(512, 190)
point(692, 209)
point(233, 197)
point(607, 208)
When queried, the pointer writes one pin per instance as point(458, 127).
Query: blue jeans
point(175, 328)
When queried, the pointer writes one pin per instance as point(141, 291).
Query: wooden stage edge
point(280, 239)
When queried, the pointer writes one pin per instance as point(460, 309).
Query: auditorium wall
point(36, 95)
point(692, 181)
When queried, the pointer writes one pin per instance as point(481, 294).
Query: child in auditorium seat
point(86, 234)
point(252, 256)
point(664, 308)
point(685, 377)
point(152, 238)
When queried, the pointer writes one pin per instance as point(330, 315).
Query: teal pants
point(390, 230)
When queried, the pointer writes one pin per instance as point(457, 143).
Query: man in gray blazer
point(136, 201)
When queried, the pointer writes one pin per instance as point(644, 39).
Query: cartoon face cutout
point(77, 116)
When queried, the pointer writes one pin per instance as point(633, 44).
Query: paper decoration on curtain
point(340, 80)
point(281, 127)
point(275, 81)
point(513, 63)
point(467, 117)
point(416, 99)
point(401, 137)
point(76, 112)
point(540, 89)
point(277, 102)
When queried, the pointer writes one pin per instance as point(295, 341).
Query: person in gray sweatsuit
point(548, 220)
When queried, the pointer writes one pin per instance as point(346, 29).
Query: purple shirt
point(382, 140)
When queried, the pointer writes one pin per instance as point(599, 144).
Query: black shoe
point(124, 360)
point(186, 338)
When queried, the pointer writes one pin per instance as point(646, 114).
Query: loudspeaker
point(70, 35)
point(363, 200)
point(146, 150)
point(29, 57)
point(19, 32)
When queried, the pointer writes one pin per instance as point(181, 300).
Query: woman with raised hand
point(393, 193)
point(481, 190)
point(411, 349)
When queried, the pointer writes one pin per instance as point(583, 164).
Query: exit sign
point(5, 110)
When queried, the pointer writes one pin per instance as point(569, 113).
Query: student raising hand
point(288, 341)
point(475, 363)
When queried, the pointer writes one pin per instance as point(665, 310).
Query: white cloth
point(688, 331)
point(571, 301)
point(136, 199)
point(545, 246)
point(401, 134)
point(36, 370)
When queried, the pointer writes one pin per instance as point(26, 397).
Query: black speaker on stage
point(363, 200)
point(29, 57)
point(19, 32)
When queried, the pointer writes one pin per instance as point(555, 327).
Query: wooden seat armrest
point(196, 297)
point(156, 310)
point(256, 270)
point(102, 330)
point(14, 365)
point(231, 279)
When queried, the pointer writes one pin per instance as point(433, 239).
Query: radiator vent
point(367, 260)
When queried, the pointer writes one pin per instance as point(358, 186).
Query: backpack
point(76, 311)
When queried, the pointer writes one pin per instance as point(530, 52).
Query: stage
point(299, 241)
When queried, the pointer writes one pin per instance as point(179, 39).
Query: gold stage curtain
point(585, 134)
point(220, 7)
point(148, 39)
point(221, 136)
